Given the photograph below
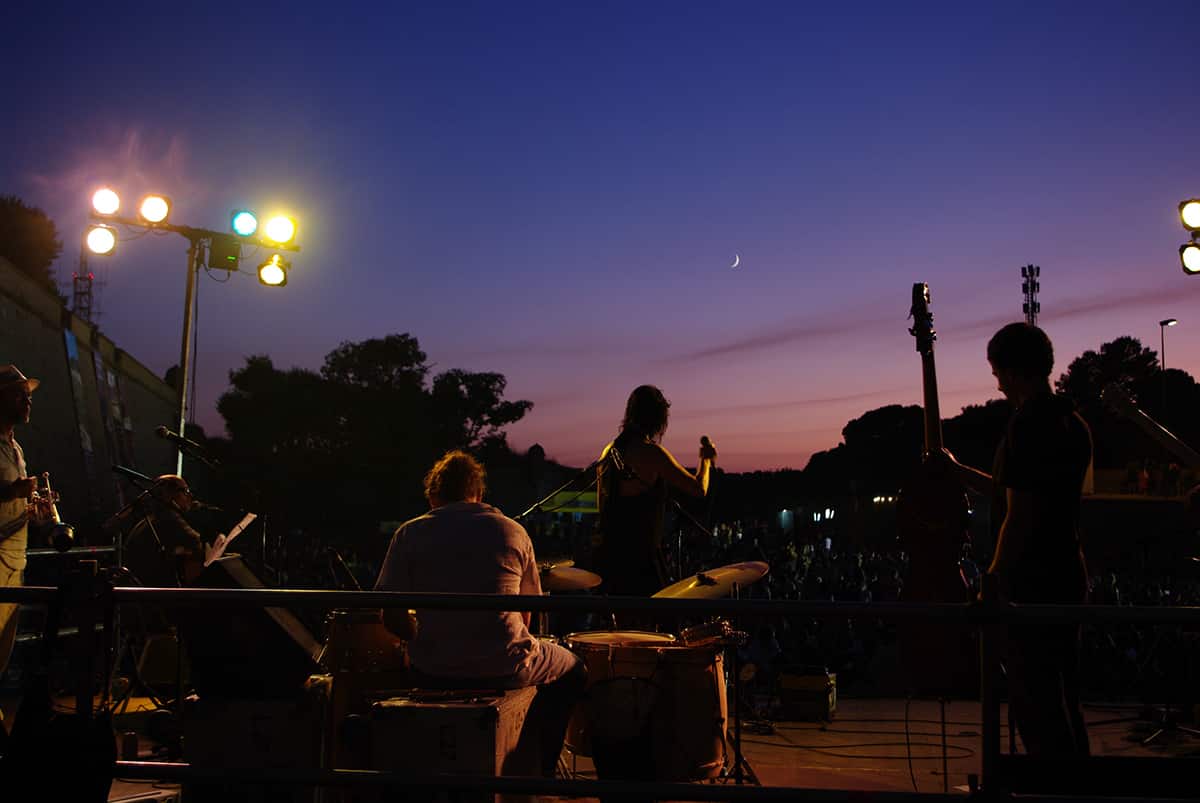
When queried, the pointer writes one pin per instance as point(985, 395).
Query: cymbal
point(566, 578)
point(554, 563)
point(715, 583)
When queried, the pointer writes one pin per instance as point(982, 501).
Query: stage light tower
point(204, 247)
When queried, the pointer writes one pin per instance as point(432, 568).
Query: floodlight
point(1189, 214)
point(105, 201)
point(280, 229)
point(244, 223)
point(155, 209)
point(101, 240)
point(1189, 257)
point(274, 272)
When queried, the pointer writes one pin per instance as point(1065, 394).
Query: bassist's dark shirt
point(1046, 451)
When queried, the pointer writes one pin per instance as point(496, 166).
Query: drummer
point(463, 545)
point(634, 475)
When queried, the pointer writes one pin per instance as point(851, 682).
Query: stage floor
point(865, 748)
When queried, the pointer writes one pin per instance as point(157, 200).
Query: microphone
point(198, 505)
point(176, 438)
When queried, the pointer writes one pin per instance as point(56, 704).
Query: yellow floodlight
point(280, 229)
point(105, 201)
point(1189, 214)
point(274, 272)
point(1189, 257)
point(101, 240)
point(155, 209)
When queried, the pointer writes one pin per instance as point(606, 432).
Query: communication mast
point(1030, 286)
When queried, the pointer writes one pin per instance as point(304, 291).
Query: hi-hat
point(716, 583)
point(566, 578)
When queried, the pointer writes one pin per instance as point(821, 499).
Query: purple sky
point(556, 192)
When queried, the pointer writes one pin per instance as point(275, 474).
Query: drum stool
point(457, 732)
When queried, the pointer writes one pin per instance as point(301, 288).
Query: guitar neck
point(933, 414)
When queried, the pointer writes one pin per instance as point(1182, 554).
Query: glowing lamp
point(1189, 257)
point(244, 223)
point(274, 272)
point(101, 240)
point(105, 201)
point(1189, 214)
point(155, 209)
point(280, 229)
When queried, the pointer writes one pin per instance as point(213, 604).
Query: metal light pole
point(1162, 353)
point(185, 351)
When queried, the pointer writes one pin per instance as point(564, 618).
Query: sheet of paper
point(222, 541)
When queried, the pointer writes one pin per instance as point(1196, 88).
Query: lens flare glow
point(101, 240)
point(154, 209)
point(280, 229)
point(105, 201)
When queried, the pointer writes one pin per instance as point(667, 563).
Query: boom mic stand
point(536, 506)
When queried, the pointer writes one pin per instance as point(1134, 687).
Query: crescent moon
point(737, 260)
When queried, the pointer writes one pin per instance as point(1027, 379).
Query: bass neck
point(932, 412)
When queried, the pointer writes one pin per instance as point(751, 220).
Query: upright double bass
point(933, 516)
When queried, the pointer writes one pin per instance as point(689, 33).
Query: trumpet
point(44, 519)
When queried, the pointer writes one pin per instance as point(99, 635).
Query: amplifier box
point(808, 698)
point(469, 733)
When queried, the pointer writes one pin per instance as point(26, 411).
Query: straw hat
point(10, 376)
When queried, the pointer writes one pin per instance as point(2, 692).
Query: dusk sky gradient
point(556, 191)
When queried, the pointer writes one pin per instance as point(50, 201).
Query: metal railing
point(988, 615)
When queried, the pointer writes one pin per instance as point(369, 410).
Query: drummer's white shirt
point(470, 548)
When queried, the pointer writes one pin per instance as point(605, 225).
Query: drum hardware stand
point(742, 771)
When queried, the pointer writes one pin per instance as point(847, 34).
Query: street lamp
point(214, 248)
point(1162, 344)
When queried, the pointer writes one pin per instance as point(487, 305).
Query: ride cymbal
point(716, 583)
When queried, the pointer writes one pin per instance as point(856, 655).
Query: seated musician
point(162, 547)
point(463, 545)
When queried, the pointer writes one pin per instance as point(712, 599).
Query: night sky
point(556, 191)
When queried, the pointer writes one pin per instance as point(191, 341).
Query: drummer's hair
point(455, 477)
point(646, 413)
point(1022, 349)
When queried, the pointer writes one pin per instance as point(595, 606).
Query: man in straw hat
point(16, 403)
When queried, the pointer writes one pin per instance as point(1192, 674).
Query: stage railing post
point(990, 633)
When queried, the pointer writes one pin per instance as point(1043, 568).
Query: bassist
point(1037, 480)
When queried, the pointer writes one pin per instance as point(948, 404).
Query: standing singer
point(633, 477)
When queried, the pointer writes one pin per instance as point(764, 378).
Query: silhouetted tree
point(1124, 362)
point(345, 448)
point(29, 240)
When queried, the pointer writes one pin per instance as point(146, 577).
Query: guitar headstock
point(922, 318)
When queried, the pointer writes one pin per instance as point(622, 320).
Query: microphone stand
point(538, 504)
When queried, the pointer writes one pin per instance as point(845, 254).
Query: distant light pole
point(1162, 353)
